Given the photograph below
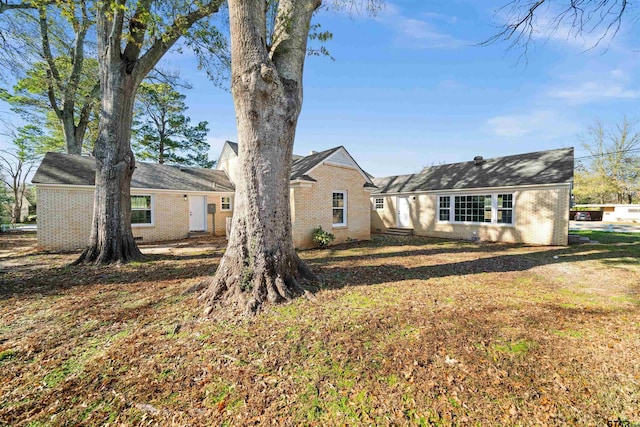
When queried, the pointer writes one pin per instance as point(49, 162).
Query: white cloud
point(540, 123)
point(592, 91)
point(419, 33)
point(615, 85)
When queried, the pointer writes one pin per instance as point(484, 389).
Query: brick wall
point(171, 218)
point(313, 206)
point(218, 220)
point(65, 213)
point(541, 217)
point(64, 217)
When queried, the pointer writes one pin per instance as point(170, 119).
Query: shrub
point(322, 238)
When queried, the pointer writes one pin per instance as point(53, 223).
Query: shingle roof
point(542, 167)
point(302, 165)
point(233, 146)
point(67, 169)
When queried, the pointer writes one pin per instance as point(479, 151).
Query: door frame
point(204, 212)
point(408, 205)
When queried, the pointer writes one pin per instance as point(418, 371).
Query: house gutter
point(475, 189)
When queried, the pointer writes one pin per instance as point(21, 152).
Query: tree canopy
point(611, 174)
point(163, 132)
point(48, 47)
point(16, 165)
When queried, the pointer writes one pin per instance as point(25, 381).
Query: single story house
point(167, 202)
point(523, 198)
point(328, 189)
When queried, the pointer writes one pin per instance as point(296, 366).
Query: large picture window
point(141, 210)
point(339, 208)
point(477, 208)
point(473, 208)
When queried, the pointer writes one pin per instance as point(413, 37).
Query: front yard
point(405, 331)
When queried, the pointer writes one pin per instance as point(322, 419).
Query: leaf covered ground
point(404, 331)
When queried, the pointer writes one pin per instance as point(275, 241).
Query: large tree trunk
point(121, 72)
point(17, 210)
point(71, 135)
point(260, 263)
point(111, 239)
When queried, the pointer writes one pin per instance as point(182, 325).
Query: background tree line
point(611, 171)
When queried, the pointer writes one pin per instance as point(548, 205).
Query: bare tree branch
point(601, 18)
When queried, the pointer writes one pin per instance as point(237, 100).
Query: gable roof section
point(301, 166)
point(232, 145)
point(538, 168)
point(67, 169)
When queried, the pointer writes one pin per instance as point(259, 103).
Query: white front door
point(197, 213)
point(404, 212)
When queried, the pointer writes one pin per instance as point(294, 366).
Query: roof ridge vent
point(478, 160)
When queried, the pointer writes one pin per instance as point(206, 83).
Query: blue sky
point(410, 88)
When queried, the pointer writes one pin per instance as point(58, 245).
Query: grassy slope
point(404, 332)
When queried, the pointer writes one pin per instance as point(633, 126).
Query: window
point(480, 208)
point(225, 203)
point(141, 212)
point(505, 208)
point(339, 208)
point(444, 208)
point(473, 208)
point(379, 203)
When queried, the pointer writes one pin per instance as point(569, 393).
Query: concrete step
point(193, 234)
point(395, 231)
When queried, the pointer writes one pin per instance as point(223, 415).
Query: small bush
point(322, 238)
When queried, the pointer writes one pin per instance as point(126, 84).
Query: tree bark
point(17, 208)
point(121, 72)
point(260, 264)
point(111, 237)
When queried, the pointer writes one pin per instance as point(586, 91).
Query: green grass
point(7, 354)
point(518, 348)
point(485, 334)
point(606, 237)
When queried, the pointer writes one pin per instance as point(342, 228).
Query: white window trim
point(440, 208)
point(344, 208)
point(153, 211)
point(494, 209)
point(230, 204)
point(375, 203)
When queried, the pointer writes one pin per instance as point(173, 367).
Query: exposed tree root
point(244, 290)
point(110, 254)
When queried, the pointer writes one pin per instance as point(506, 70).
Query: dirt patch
point(404, 331)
